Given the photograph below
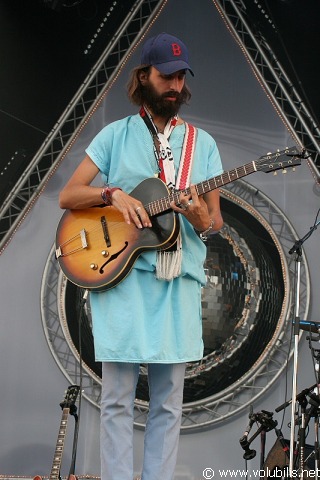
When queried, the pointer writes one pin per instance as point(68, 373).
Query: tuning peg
point(275, 174)
point(284, 171)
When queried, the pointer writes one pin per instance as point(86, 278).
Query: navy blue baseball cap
point(166, 53)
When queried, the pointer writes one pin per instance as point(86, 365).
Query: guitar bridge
point(84, 244)
point(83, 238)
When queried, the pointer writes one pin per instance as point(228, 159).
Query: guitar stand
point(71, 474)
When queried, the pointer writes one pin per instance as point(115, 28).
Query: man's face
point(162, 93)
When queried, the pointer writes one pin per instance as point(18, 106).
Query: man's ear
point(143, 77)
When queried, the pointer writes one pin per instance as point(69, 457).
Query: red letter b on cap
point(176, 50)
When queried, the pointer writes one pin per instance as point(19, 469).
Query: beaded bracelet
point(204, 234)
point(106, 195)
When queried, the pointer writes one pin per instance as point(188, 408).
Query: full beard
point(159, 105)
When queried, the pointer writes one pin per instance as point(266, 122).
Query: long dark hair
point(135, 90)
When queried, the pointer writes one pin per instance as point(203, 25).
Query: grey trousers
point(161, 438)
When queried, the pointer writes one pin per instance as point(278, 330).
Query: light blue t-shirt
point(123, 152)
point(144, 319)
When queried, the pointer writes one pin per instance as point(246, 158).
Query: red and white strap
point(188, 148)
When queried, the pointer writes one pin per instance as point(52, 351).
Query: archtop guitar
point(96, 248)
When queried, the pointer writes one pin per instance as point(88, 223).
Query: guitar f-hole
point(113, 257)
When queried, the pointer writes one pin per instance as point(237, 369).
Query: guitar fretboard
point(56, 464)
point(163, 204)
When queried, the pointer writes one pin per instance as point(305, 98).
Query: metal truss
point(254, 46)
point(22, 197)
point(273, 79)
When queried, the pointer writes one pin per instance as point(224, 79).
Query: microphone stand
point(301, 444)
point(266, 424)
point(296, 248)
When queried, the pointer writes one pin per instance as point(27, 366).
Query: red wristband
point(106, 195)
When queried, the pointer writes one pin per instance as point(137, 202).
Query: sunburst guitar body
point(96, 248)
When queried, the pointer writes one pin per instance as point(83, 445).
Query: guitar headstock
point(280, 160)
point(70, 397)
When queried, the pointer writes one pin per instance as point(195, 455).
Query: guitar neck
point(163, 204)
point(56, 465)
point(224, 178)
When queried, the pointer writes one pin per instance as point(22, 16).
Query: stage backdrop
point(230, 104)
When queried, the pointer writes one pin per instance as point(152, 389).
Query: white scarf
point(169, 263)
